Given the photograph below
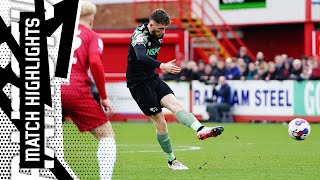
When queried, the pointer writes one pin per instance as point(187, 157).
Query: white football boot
point(176, 165)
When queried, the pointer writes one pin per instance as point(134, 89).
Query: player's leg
point(165, 141)
point(162, 134)
point(184, 117)
point(170, 102)
point(106, 153)
point(87, 114)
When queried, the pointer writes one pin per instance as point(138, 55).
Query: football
point(299, 129)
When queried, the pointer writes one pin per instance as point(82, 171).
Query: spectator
point(273, 73)
point(243, 54)
point(190, 64)
point(240, 61)
point(304, 61)
point(213, 60)
point(252, 72)
point(195, 75)
point(207, 74)
point(262, 72)
point(233, 72)
point(223, 103)
point(184, 71)
point(296, 70)
point(315, 75)
point(243, 70)
point(201, 66)
point(284, 58)
point(260, 58)
point(306, 73)
point(279, 63)
point(286, 70)
point(221, 70)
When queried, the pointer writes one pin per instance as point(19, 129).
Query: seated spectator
point(240, 63)
point(262, 72)
point(233, 72)
point(201, 66)
point(195, 75)
point(252, 72)
point(207, 74)
point(279, 63)
point(296, 70)
point(190, 64)
point(286, 70)
point(273, 73)
point(243, 70)
point(223, 103)
point(306, 73)
point(315, 75)
point(243, 54)
point(260, 58)
point(213, 60)
point(220, 70)
point(184, 71)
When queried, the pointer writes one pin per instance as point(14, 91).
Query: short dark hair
point(160, 16)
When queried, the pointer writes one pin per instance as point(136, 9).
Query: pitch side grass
point(244, 151)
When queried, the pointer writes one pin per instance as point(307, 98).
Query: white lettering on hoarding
point(317, 98)
point(312, 99)
point(309, 98)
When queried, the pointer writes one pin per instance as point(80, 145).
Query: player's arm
point(140, 51)
point(96, 67)
point(149, 61)
point(139, 42)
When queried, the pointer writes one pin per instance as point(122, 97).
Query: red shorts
point(82, 108)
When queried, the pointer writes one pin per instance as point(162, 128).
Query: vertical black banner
point(34, 80)
point(31, 101)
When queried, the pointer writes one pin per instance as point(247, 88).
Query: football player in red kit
point(78, 102)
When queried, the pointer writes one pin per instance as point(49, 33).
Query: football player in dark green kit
point(150, 92)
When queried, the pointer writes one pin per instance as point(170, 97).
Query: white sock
point(106, 157)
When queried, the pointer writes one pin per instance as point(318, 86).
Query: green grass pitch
point(244, 151)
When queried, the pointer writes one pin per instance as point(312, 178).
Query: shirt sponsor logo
point(153, 51)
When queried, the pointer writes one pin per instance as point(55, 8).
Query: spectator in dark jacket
point(273, 73)
point(223, 103)
point(296, 70)
point(243, 54)
point(207, 73)
point(184, 71)
point(220, 70)
point(286, 70)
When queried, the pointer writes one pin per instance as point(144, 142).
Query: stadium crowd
point(242, 67)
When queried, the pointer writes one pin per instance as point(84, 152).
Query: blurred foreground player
point(77, 100)
point(150, 92)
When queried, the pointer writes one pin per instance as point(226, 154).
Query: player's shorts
point(148, 95)
point(82, 108)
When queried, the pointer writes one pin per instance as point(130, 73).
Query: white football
point(299, 129)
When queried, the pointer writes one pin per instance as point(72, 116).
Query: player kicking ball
point(77, 100)
point(151, 93)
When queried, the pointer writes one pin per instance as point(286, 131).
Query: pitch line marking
point(176, 148)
